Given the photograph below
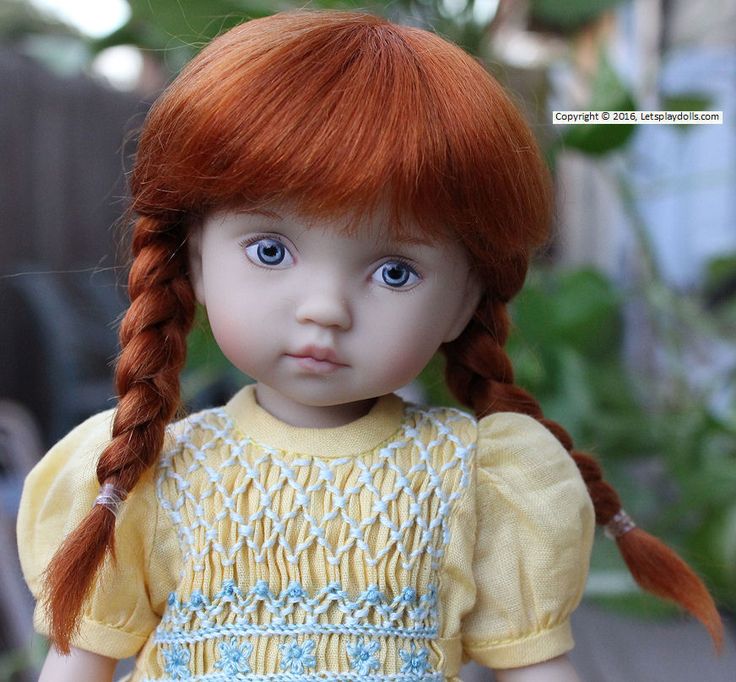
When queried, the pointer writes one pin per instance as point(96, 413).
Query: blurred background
point(626, 330)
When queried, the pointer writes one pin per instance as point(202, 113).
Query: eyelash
point(403, 262)
point(254, 239)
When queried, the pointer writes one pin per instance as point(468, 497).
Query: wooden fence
point(64, 147)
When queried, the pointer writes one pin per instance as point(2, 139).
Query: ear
point(468, 306)
point(194, 253)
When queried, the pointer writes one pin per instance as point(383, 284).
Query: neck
point(311, 416)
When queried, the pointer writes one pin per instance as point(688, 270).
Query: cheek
point(402, 345)
point(232, 330)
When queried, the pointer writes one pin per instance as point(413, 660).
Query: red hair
point(336, 112)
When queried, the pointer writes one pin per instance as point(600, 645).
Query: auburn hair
point(336, 112)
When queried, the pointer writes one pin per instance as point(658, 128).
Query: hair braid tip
point(68, 578)
point(658, 569)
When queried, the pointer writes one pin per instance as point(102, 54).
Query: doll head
point(345, 118)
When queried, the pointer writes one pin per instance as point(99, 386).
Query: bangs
point(345, 114)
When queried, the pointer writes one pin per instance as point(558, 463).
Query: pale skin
point(325, 323)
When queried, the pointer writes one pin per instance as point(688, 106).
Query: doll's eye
point(396, 274)
point(269, 252)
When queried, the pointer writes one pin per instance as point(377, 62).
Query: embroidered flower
point(261, 590)
point(362, 658)
point(228, 590)
point(234, 657)
point(196, 600)
point(408, 595)
point(373, 595)
point(177, 662)
point(296, 659)
point(172, 599)
point(295, 591)
point(415, 662)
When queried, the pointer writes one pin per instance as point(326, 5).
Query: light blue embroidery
point(427, 488)
point(259, 611)
point(415, 662)
point(424, 488)
point(297, 658)
point(177, 662)
point(234, 656)
point(408, 595)
point(362, 658)
point(326, 676)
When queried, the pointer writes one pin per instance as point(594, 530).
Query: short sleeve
point(534, 534)
point(57, 495)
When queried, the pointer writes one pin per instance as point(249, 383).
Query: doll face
point(326, 322)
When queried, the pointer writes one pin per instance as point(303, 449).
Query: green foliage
point(672, 461)
point(177, 30)
point(687, 101)
point(608, 93)
point(206, 364)
point(571, 15)
point(720, 290)
point(565, 347)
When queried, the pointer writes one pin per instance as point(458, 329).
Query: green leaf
point(570, 15)
point(687, 101)
point(588, 316)
point(608, 94)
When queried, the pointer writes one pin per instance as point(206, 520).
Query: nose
point(326, 306)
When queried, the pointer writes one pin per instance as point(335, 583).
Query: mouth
point(317, 359)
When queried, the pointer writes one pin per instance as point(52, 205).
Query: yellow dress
point(387, 550)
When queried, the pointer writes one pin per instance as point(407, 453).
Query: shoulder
point(66, 471)
point(512, 440)
point(523, 465)
point(60, 490)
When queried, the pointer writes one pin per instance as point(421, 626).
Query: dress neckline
point(362, 435)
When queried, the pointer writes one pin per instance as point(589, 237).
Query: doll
point(345, 197)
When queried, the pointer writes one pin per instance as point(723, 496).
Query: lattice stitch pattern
point(370, 622)
point(438, 486)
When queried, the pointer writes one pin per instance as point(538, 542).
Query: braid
point(153, 349)
point(480, 375)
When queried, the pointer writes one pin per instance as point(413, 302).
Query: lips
point(318, 353)
point(316, 360)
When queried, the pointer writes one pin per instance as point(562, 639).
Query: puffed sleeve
point(57, 494)
point(534, 531)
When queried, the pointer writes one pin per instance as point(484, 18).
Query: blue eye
point(396, 274)
point(269, 252)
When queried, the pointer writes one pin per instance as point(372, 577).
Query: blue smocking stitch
point(176, 660)
point(416, 662)
point(326, 676)
point(258, 609)
point(429, 488)
point(297, 657)
point(234, 656)
point(408, 595)
point(362, 656)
